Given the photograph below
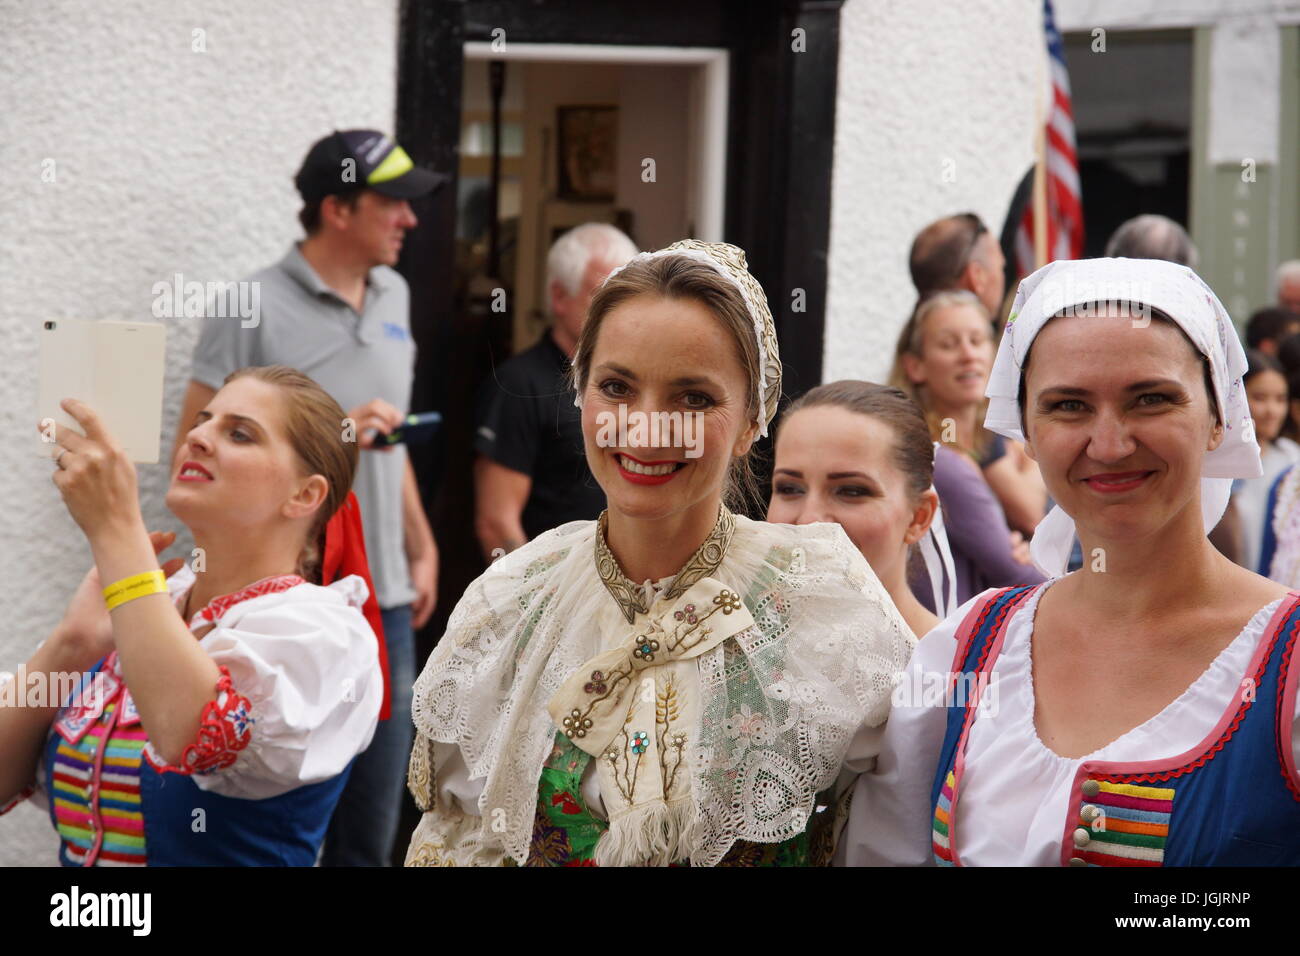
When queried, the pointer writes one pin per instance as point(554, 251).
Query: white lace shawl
point(819, 663)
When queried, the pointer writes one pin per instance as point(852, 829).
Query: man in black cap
point(335, 309)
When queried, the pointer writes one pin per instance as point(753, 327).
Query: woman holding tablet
point(220, 707)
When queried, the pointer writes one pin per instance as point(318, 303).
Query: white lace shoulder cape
point(820, 662)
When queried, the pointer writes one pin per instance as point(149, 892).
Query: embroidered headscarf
point(1144, 284)
point(729, 262)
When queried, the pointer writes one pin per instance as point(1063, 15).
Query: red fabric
point(272, 585)
point(344, 553)
point(225, 728)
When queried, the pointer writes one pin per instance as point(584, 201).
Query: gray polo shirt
point(306, 325)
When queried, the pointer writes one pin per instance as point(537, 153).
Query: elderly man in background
point(1267, 328)
point(530, 474)
point(1152, 237)
point(1288, 285)
point(959, 252)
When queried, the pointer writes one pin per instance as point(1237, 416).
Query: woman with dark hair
point(672, 682)
point(1138, 711)
point(859, 454)
point(235, 692)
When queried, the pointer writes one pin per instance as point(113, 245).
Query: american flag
point(1064, 198)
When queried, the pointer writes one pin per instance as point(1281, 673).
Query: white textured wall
point(924, 86)
point(167, 160)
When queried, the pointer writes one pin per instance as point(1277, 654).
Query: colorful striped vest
point(1233, 800)
point(110, 806)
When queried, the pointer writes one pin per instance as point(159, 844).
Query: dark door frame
point(780, 139)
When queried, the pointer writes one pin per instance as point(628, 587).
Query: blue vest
point(1232, 800)
point(286, 830)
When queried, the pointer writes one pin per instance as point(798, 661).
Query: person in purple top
point(982, 552)
point(943, 360)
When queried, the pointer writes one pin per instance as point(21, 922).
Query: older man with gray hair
point(1152, 236)
point(1288, 285)
point(530, 474)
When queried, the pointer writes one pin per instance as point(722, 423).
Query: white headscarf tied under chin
point(1179, 293)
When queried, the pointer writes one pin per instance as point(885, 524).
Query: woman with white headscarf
point(1139, 711)
point(672, 682)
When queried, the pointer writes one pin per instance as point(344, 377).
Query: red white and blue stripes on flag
point(1064, 196)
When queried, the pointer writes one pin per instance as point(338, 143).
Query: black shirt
point(527, 422)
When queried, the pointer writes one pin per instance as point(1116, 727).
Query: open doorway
point(629, 135)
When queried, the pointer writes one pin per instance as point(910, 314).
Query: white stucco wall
point(166, 160)
point(926, 88)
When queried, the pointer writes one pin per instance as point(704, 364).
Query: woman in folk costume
point(218, 711)
point(672, 682)
point(1142, 710)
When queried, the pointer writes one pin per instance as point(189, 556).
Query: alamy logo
point(651, 430)
point(212, 300)
point(103, 909)
point(1071, 297)
point(53, 689)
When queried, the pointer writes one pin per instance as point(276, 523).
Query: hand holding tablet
point(114, 368)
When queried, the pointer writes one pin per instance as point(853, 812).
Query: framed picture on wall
point(587, 141)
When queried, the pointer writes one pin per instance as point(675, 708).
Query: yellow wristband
point(137, 585)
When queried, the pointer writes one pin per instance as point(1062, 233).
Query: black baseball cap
point(348, 160)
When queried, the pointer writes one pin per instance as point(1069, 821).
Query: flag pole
point(1040, 163)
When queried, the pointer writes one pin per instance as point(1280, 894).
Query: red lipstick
point(181, 476)
point(639, 479)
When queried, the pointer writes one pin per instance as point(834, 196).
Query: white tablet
point(117, 369)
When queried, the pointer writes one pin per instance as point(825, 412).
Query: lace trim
point(631, 597)
point(1285, 568)
point(819, 662)
point(419, 773)
point(225, 729)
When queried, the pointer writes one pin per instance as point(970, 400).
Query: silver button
point(1090, 788)
point(1081, 837)
point(1076, 861)
point(1089, 812)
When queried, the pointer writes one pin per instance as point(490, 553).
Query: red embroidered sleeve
point(16, 799)
point(224, 730)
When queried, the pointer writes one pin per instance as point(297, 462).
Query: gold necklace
point(631, 597)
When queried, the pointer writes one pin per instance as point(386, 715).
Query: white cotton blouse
point(308, 662)
point(1015, 792)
